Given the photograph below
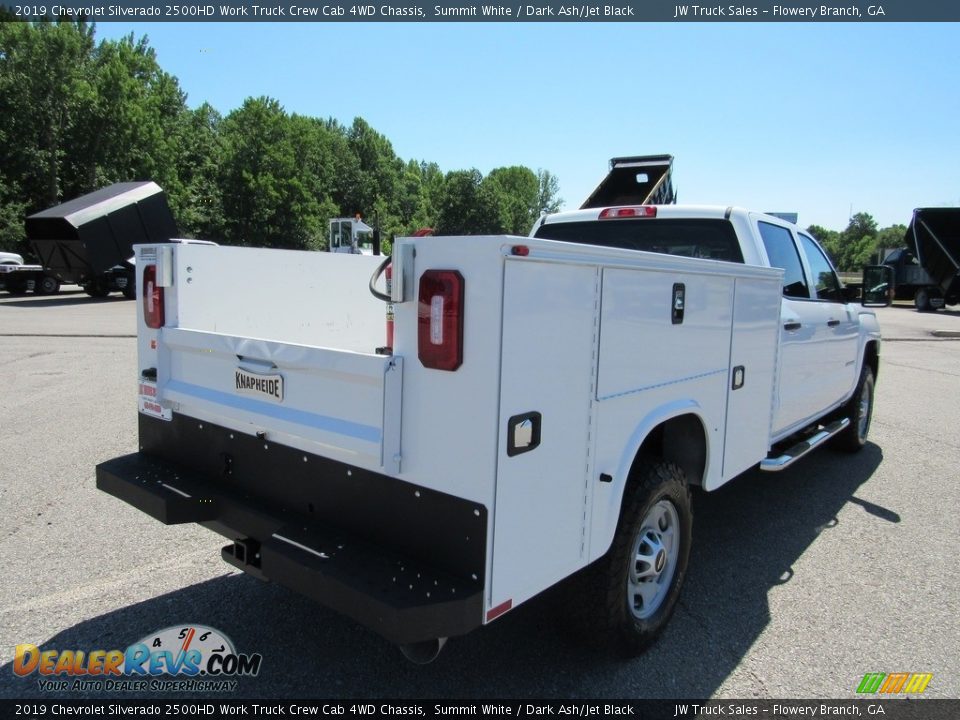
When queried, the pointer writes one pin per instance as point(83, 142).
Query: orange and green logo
point(893, 683)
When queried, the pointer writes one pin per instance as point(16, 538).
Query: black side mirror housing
point(878, 287)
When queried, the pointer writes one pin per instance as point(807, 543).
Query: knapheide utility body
point(547, 405)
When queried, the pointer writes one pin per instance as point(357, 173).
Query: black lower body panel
point(406, 561)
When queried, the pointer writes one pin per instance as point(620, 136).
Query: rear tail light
point(636, 211)
point(152, 298)
point(440, 320)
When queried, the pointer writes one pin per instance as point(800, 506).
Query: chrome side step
point(776, 464)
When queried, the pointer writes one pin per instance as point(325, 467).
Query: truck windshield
point(710, 239)
point(365, 241)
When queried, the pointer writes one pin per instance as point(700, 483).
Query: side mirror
point(877, 286)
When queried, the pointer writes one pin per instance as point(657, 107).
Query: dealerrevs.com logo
point(177, 658)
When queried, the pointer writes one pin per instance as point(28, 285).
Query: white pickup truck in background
point(547, 406)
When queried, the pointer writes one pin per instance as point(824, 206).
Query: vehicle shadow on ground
point(747, 537)
point(949, 310)
point(79, 298)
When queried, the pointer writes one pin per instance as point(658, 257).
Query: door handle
point(791, 326)
point(832, 323)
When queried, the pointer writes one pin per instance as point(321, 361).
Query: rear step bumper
point(402, 600)
point(782, 462)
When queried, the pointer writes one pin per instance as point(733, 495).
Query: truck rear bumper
point(402, 599)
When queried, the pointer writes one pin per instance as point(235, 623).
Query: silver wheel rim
point(653, 560)
point(863, 422)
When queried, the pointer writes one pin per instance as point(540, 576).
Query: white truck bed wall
point(583, 344)
point(450, 418)
point(340, 399)
point(314, 299)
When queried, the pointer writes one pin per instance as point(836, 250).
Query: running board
point(776, 464)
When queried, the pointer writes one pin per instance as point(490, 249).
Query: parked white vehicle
point(352, 236)
point(17, 278)
point(546, 408)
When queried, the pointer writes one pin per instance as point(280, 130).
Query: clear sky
point(819, 119)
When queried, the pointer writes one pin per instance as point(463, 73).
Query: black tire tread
point(96, 290)
point(849, 439)
point(598, 609)
point(46, 286)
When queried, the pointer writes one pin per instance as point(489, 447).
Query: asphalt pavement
point(799, 583)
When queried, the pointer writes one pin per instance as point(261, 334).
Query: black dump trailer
point(927, 268)
point(637, 180)
point(934, 236)
point(89, 240)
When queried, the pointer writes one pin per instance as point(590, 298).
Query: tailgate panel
point(346, 405)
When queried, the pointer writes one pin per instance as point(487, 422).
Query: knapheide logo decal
point(177, 658)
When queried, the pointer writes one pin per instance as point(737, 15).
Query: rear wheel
point(860, 411)
point(130, 289)
point(47, 286)
point(641, 575)
point(922, 300)
point(16, 285)
point(96, 289)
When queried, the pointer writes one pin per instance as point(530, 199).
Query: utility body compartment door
point(753, 373)
point(548, 367)
point(653, 366)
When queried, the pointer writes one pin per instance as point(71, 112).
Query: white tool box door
point(547, 378)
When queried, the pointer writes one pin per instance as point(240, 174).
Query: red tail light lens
point(152, 298)
point(637, 211)
point(440, 320)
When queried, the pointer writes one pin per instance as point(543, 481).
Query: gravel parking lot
point(800, 582)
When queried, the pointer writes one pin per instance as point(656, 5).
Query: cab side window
point(783, 254)
point(827, 282)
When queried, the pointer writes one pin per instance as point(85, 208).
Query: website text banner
point(851, 11)
point(180, 706)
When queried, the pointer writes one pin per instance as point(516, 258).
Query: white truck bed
point(418, 461)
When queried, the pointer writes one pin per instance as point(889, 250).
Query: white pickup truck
point(546, 408)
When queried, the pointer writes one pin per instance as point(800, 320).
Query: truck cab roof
point(659, 211)
point(701, 231)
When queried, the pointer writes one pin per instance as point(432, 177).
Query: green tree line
point(860, 243)
point(77, 114)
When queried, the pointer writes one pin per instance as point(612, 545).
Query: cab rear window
point(710, 239)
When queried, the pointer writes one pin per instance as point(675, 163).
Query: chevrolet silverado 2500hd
point(546, 407)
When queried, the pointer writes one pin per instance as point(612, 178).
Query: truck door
point(800, 366)
point(547, 378)
point(837, 338)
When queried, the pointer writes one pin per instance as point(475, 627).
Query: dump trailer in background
point(636, 180)
point(89, 240)
point(929, 266)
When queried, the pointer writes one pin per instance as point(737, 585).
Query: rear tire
point(860, 411)
point(16, 286)
point(47, 286)
point(96, 289)
point(922, 300)
point(130, 289)
point(637, 583)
